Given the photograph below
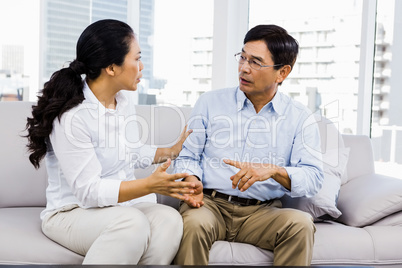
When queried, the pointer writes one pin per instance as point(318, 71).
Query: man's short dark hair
point(283, 47)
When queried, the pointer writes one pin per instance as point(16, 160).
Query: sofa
point(360, 224)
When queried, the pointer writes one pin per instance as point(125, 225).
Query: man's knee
point(199, 222)
point(299, 221)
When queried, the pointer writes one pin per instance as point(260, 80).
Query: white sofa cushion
point(324, 204)
point(335, 244)
point(22, 241)
point(24, 186)
point(361, 157)
point(391, 220)
point(369, 198)
point(331, 140)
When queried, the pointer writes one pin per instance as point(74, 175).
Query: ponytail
point(62, 92)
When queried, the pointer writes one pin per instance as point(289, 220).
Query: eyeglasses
point(254, 64)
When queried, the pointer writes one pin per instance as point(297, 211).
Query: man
point(250, 146)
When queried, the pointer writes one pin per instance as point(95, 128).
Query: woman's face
point(129, 74)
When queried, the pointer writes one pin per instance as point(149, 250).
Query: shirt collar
point(96, 108)
point(240, 99)
point(277, 102)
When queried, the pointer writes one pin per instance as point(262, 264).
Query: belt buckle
point(235, 202)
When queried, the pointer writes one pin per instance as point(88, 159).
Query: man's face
point(258, 82)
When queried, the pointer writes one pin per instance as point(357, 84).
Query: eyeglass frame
point(238, 59)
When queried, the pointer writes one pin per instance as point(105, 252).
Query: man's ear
point(283, 73)
point(110, 70)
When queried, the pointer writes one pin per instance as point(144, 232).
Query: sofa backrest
point(20, 183)
point(361, 156)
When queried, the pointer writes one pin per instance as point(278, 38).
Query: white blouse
point(91, 150)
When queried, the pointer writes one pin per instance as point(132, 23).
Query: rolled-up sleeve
point(305, 170)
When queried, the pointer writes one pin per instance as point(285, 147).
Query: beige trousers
point(289, 233)
point(146, 233)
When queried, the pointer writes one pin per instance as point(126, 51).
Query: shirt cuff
point(108, 194)
point(188, 168)
point(298, 181)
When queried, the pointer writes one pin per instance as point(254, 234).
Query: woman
point(87, 133)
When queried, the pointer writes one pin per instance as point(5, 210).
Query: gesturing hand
point(250, 173)
point(163, 183)
point(179, 145)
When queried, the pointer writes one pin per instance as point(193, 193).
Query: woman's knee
point(170, 220)
point(128, 222)
point(170, 216)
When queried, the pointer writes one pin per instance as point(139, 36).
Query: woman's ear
point(283, 73)
point(110, 70)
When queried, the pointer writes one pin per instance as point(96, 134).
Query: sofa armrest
point(369, 198)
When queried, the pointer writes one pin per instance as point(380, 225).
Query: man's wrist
point(191, 178)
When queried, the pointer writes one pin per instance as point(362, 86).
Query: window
point(175, 38)
point(18, 60)
point(386, 119)
point(182, 45)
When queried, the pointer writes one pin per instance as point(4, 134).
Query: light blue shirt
point(226, 126)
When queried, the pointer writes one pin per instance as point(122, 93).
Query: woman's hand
point(179, 145)
point(162, 154)
point(163, 183)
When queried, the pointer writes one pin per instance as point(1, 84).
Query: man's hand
point(252, 172)
point(194, 200)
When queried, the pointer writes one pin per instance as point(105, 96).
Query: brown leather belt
point(233, 199)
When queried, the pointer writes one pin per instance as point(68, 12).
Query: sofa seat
point(335, 244)
point(32, 246)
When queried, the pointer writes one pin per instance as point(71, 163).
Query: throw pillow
point(323, 205)
point(391, 220)
point(369, 198)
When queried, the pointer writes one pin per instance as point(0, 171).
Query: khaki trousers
point(289, 233)
point(145, 233)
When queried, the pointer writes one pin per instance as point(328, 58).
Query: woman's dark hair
point(283, 47)
point(101, 44)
